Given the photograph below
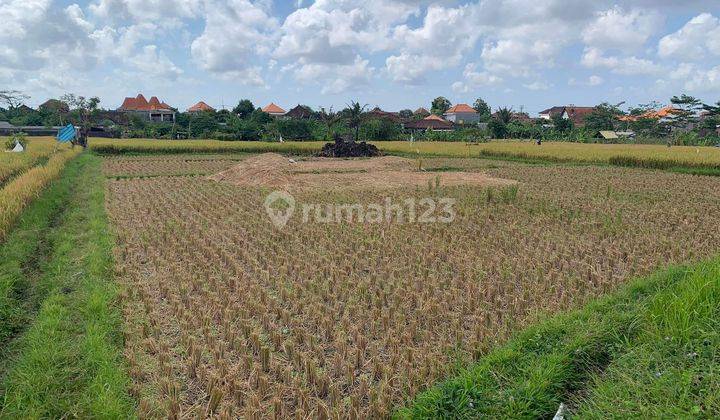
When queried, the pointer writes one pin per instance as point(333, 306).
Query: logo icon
point(280, 206)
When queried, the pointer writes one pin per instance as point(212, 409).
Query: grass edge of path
point(617, 356)
point(69, 361)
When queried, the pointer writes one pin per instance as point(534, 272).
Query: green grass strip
point(68, 363)
point(647, 351)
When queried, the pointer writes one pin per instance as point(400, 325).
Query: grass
point(650, 351)
point(61, 326)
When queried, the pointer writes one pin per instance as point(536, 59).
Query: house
point(274, 110)
point(574, 113)
point(7, 129)
point(300, 112)
point(462, 114)
point(431, 122)
point(54, 105)
point(380, 114)
point(421, 113)
point(663, 114)
point(152, 110)
point(200, 107)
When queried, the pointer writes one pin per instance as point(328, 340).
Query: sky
point(395, 54)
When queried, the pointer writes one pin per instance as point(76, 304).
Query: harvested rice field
point(228, 315)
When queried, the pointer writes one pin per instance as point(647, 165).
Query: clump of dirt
point(345, 148)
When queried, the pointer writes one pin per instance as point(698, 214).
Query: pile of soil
point(349, 149)
point(265, 170)
point(276, 171)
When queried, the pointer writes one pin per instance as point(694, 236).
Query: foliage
point(16, 138)
point(602, 117)
point(380, 129)
point(440, 105)
point(202, 124)
point(406, 113)
point(353, 116)
point(244, 108)
point(498, 129)
point(483, 109)
point(12, 98)
point(562, 125)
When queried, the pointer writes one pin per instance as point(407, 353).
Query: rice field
point(26, 174)
point(39, 149)
point(650, 156)
point(227, 315)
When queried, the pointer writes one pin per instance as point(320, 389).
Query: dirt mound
point(267, 169)
point(349, 149)
point(276, 171)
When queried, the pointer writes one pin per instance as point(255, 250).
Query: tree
point(712, 110)
point(83, 112)
point(405, 113)
point(244, 108)
point(440, 105)
point(562, 125)
point(603, 117)
point(686, 109)
point(353, 116)
point(12, 98)
point(483, 109)
point(504, 114)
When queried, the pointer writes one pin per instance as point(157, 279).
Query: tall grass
point(17, 193)
point(38, 151)
point(700, 159)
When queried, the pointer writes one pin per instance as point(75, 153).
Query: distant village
point(685, 120)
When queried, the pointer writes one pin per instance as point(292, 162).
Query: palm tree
point(505, 115)
point(353, 115)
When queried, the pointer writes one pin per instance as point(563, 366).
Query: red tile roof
point(434, 117)
point(651, 115)
point(200, 106)
point(273, 109)
point(461, 108)
point(139, 103)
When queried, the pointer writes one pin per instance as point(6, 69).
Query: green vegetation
point(60, 325)
point(650, 351)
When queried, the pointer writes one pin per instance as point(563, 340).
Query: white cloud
point(594, 58)
point(334, 78)
point(445, 35)
point(595, 80)
point(159, 11)
point(474, 79)
point(537, 85)
point(621, 30)
point(694, 41)
point(155, 64)
point(235, 31)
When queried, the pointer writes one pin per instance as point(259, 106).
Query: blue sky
point(395, 54)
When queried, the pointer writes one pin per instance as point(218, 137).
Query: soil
point(342, 148)
point(276, 171)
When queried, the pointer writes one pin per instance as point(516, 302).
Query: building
point(7, 129)
point(574, 113)
point(462, 114)
point(421, 113)
point(380, 114)
point(300, 112)
point(431, 122)
point(200, 107)
point(274, 110)
point(663, 114)
point(152, 110)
